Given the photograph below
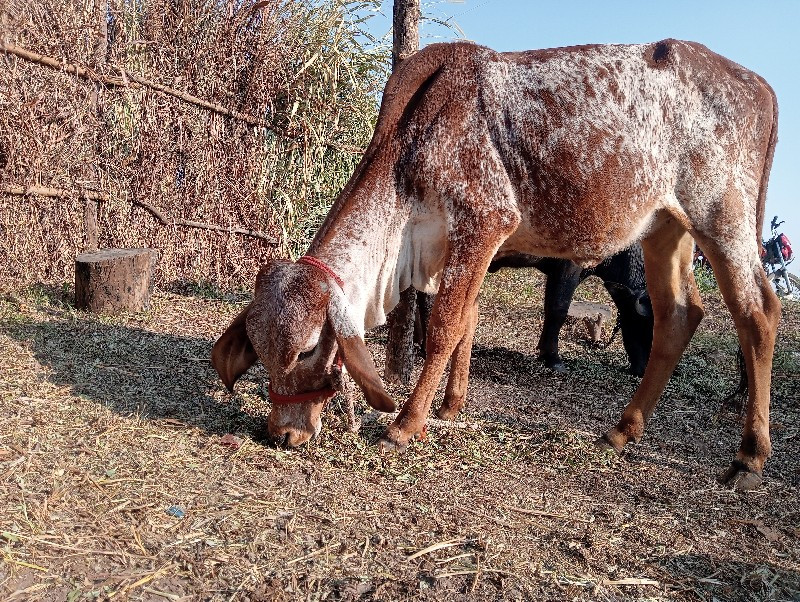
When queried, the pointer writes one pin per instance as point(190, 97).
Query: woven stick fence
point(218, 133)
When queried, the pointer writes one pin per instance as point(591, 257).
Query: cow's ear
point(643, 305)
point(354, 353)
point(233, 353)
point(360, 366)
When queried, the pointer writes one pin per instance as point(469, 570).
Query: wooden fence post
point(100, 52)
point(400, 343)
point(405, 30)
point(90, 219)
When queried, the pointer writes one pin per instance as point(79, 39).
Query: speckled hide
point(569, 152)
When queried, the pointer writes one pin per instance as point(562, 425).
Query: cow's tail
point(773, 141)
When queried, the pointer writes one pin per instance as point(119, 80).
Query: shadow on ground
point(708, 578)
point(134, 371)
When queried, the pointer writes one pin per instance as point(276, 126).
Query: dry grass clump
point(127, 472)
point(235, 115)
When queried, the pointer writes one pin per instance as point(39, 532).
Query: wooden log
point(110, 281)
point(593, 316)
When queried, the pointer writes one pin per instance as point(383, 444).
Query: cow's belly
point(585, 237)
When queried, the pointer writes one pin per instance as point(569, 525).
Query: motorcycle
point(776, 254)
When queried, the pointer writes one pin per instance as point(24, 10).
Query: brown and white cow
point(568, 152)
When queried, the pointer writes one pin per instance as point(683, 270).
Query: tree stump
point(111, 281)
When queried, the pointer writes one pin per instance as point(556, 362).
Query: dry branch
point(103, 197)
point(437, 546)
point(46, 191)
point(124, 79)
point(542, 513)
point(168, 221)
point(629, 581)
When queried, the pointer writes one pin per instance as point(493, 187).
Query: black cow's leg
point(423, 318)
point(563, 277)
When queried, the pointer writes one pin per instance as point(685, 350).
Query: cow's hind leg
point(677, 310)
point(456, 391)
point(756, 311)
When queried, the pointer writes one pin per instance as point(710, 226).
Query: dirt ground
point(128, 473)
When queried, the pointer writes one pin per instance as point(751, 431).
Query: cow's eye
point(304, 355)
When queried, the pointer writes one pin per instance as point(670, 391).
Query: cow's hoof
point(740, 478)
point(446, 413)
point(388, 446)
point(391, 441)
point(552, 362)
point(605, 443)
point(636, 371)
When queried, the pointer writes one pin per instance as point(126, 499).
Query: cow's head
point(299, 326)
point(636, 323)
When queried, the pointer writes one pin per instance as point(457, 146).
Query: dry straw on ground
point(128, 473)
point(111, 428)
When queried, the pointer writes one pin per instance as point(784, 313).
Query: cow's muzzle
point(296, 419)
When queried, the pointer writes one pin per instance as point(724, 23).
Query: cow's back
point(592, 138)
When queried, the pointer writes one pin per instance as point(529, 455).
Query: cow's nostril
point(278, 439)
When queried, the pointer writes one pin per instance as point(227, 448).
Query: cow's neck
point(362, 240)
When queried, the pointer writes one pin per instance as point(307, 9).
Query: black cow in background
point(623, 277)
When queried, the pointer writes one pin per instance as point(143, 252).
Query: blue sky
point(761, 35)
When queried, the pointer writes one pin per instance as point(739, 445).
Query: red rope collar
point(321, 265)
point(326, 393)
point(278, 399)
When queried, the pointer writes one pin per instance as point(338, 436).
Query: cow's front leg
point(473, 243)
point(451, 312)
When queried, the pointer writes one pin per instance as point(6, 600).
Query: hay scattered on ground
point(127, 472)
